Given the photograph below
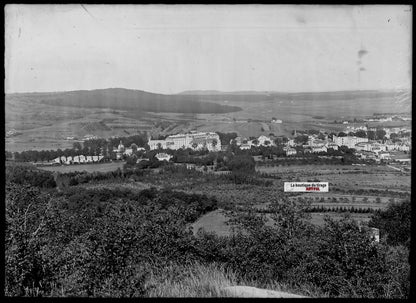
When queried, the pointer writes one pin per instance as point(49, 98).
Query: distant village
point(365, 142)
point(380, 118)
point(318, 142)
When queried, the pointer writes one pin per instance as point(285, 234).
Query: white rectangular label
point(306, 187)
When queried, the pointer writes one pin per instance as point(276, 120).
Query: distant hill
point(217, 92)
point(201, 92)
point(126, 99)
point(245, 96)
point(197, 101)
point(336, 95)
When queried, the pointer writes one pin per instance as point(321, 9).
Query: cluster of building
point(380, 119)
point(211, 142)
point(316, 145)
point(349, 141)
point(274, 120)
point(389, 130)
point(81, 159)
point(313, 145)
point(386, 118)
point(158, 156)
point(353, 128)
point(369, 149)
point(289, 150)
point(163, 156)
point(90, 137)
point(376, 150)
point(123, 151)
point(193, 140)
point(245, 143)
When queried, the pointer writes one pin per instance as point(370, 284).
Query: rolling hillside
point(126, 99)
point(241, 96)
point(45, 120)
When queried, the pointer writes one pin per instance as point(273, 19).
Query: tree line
point(92, 147)
point(339, 209)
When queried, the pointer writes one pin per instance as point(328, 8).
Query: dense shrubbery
point(25, 211)
point(80, 177)
point(243, 178)
point(316, 159)
point(22, 174)
point(394, 222)
point(102, 242)
point(96, 200)
point(198, 160)
point(94, 242)
point(192, 205)
point(339, 258)
point(243, 163)
point(371, 192)
point(240, 175)
point(227, 137)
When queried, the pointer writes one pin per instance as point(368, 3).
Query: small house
point(163, 157)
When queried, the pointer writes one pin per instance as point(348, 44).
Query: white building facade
point(349, 141)
point(193, 140)
point(163, 157)
point(289, 151)
point(264, 139)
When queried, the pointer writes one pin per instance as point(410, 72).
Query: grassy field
point(133, 186)
point(230, 195)
point(195, 281)
point(216, 221)
point(344, 176)
point(46, 127)
point(99, 167)
point(204, 281)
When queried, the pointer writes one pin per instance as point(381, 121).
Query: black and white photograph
point(192, 151)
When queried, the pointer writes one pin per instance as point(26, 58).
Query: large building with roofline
point(193, 140)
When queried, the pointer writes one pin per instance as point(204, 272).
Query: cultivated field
point(344, 191)
point(345, 177)
point(133, 186)
point(99, 167)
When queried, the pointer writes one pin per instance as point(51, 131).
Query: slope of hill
point(217, 92)
point(126, 99)
point(336, 95)
point(310, 97)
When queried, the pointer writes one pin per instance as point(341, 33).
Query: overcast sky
point(169, 49)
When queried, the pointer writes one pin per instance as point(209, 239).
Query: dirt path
point(254, 292)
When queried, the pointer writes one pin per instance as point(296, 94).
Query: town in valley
point(236, 151)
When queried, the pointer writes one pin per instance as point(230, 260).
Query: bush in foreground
point(90, 243)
